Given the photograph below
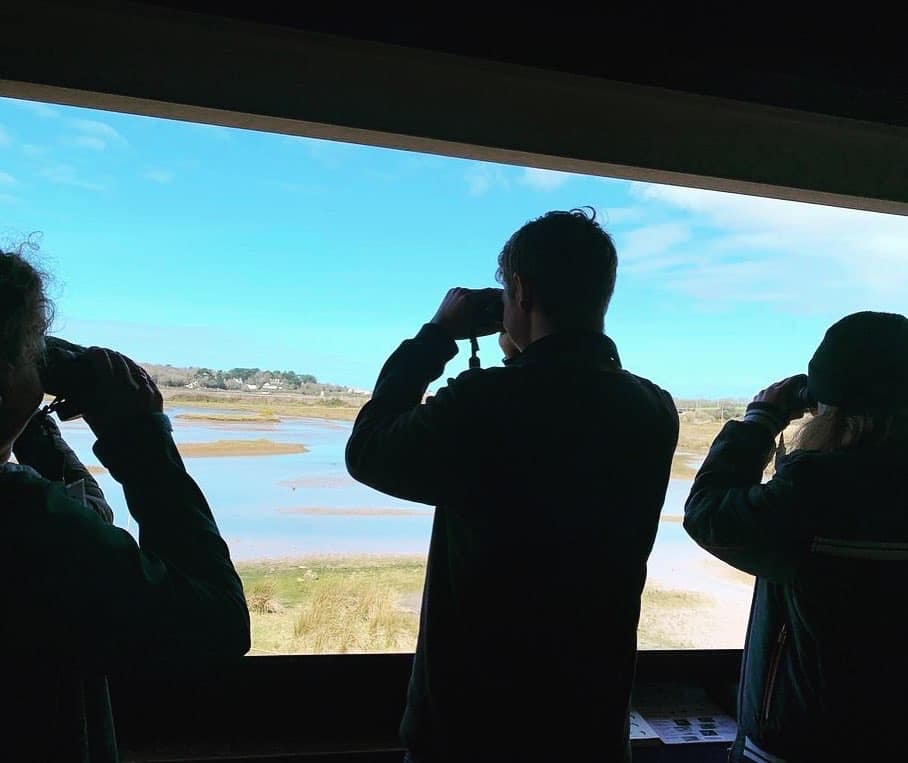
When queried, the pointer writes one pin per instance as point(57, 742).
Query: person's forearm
point(176, 524)
point(397, 445)
point(730, 512)
point(737, 457)
point(142, 456)
point(410, 369)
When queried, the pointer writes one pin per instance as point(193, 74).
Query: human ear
point(522, 294)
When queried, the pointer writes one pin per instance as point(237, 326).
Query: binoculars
point(491, 310)
point(63, 377)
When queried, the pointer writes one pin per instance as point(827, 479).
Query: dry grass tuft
point(261, 599)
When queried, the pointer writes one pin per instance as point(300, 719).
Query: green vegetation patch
point(314, 606)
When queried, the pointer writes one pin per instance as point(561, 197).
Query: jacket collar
point(587, 346)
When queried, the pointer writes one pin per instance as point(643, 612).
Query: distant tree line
point(234, 378)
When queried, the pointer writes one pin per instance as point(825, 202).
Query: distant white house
point(270, 386)
point(252, 387)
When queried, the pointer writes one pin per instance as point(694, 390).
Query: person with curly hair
point(548, 476)
point(82, 596)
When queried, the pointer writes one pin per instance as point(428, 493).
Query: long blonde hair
point(835, 428)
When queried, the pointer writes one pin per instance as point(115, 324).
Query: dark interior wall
point(300, 706)
point(153, 59)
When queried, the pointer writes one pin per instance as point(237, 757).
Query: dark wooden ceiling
point(849, 64)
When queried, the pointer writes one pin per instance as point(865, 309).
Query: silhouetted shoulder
point(651, 394)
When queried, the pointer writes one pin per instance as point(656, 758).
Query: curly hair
point(25, 310)
point(569, 260)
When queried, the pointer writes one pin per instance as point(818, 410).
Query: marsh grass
point(671, 619)
point(261, 598)
point(371, 604)
point(336, 605)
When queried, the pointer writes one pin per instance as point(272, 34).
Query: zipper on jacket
point(773, 671)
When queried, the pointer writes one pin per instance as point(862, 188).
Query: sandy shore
point(236, 448)
point(228, 420)
point(229, 449)
point(712, 603)
point(327, 511)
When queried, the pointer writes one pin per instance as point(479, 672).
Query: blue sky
point(200, 245)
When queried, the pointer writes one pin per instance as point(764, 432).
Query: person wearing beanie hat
point(862, 363)
point(827, 539)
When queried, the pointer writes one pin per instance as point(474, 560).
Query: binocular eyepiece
point(62, 377)
point(492, 310)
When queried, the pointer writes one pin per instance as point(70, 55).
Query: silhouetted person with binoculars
point(548, 475)
point(825, 662)
point(81, 595)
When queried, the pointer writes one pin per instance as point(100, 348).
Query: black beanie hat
point(862, 363)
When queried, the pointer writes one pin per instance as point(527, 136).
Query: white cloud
point(95, 127)
point(649, 247)
point(65, 174)
point(7, 179)
point(90, 142)
point(159, 175)
point(37, 108)
point(5, 138)
point(769, 250)
point(608, 216)
point(478, 181)
point(759, 214)
point(101, 132)
point(543, 180)
point(93, 135)
point(718, 284)
point(481, 178)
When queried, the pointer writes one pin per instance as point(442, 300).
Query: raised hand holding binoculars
point(791, 396)
point(98, 384)
point(466, 313)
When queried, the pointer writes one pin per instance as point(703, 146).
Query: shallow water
point(260, 502)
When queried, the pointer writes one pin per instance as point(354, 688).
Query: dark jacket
point(81, 596)
point(548, 476)
point(827, 538)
